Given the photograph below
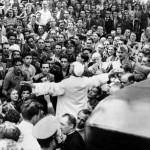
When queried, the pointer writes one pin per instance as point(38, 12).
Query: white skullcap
point(14, 47)
point(78, 69)
point(96, 55)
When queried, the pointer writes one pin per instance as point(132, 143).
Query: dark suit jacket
point(74, 141)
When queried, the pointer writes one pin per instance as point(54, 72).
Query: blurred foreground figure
point(121, 121)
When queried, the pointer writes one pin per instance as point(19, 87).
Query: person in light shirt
point(45, 13)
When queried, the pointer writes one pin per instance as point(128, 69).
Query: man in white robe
point(71, 92)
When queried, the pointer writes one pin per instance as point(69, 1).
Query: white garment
point(45, 17)
point(4, 39)
point(71, 92)
point(28, 142)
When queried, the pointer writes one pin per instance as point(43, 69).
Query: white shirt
point(28, 142)
point(45, 16)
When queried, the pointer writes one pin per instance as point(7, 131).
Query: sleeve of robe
point(98, 80)
point(51, 88)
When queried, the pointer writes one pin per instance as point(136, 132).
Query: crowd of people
point(59, 59)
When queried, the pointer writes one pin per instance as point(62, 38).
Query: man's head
point(122, 53)
point(45, 5)
point(40, 44)
point(31, 111)
point(6, 49)
point(82, 117)
point(16, 54)
point(45, 68)
point(30, 41)
point(70, 49)
point(127, 79)
point(95, 37)
point(27, 58)
point(146, 61)
point(89, 42)
point(88, 52)
point(17, 64)
point(64, 61)
point(11, 38)
point(133, 37)
point(58, 49)
point(67, 124)
point(61, 38)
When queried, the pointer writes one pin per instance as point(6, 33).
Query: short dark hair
point(85, 111)
point(85, 57)
point(30, 108)
point(26, 54)
point(71, 119)
point(15, 60)
point(29, 37)
point(25, 88)
point(88, 49)
point(12, 116)
point(64, 56)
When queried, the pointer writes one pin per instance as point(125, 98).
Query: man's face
point(133, 37)
point(118, 30)
point(53, 34)
point(12, 40)
point(64, 63)
point(6, 49)
point(31, 42)
point(18, 67)
point(16, 54)
point(26, 34)
point(100, 29)
point(92, 93)
point(41, 44)
point(87, 53)
point(139, 57)
point(47, 47)
point(127, 32)
point(79, 23)
point(64, 126)
point(41, 30)
point(27, 60)
point(89, 43)
point(70, 9)
point(95, 37)
point(81, 120)
point(61, 38)
point(45, 69)
point(121, 54)
point(124, 80)
point(51, 63)
point(106, 44)
point(58, 49)
point(70, 50)
point(82, 14)
point(145, 62)
point(44, 5)
point(76, 39)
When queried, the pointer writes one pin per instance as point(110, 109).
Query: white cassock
point(71, 92)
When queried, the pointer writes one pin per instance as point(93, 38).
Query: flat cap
point(46, 127)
